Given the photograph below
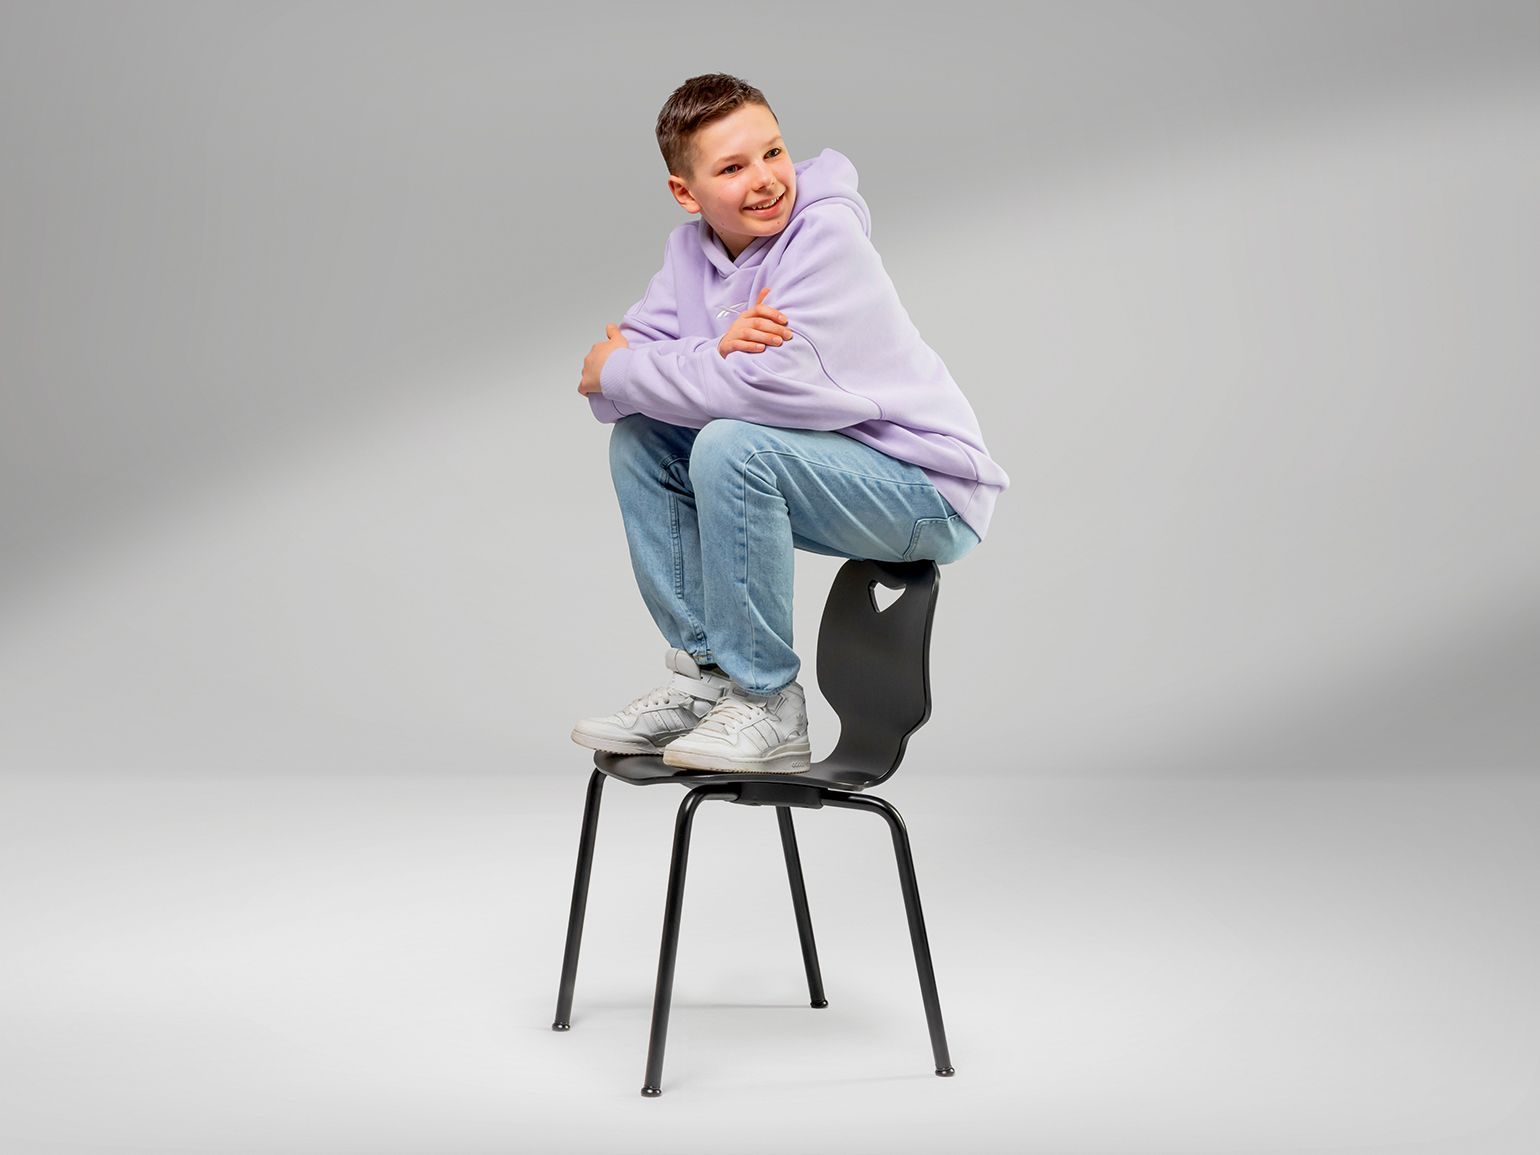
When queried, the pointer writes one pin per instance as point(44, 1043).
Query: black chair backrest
point(874, 665)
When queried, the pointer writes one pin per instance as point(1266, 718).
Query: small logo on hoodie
point(732, 310)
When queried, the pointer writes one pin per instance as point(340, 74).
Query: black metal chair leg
point(585, 862)
point(672, 909)
point(799, 902)
point(916, 918)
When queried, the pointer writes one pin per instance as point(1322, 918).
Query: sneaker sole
point(608, 746)
point(793, 762)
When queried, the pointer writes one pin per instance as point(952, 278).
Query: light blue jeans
point(713, 516)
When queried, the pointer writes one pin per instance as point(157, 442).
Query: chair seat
point(649, 769)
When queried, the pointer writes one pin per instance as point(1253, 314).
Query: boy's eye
point(730, 167)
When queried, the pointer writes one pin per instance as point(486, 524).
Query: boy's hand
point(755, 327)
point(593, 364)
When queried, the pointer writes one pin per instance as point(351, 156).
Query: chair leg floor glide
point(673, 909)
point(799, 904)
point(753, 794)
point(917, 935)
point(585, 862)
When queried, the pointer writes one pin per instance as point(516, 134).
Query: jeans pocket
point(941, 539)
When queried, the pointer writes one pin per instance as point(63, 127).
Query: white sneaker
point(655, 719)
point(748, 733)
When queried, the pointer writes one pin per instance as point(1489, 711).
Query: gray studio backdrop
point(294, 298)
point(309, 557)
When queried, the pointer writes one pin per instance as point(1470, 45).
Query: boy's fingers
point(762, 293)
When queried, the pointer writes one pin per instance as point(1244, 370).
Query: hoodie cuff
point(615, 377)
point(604, 409)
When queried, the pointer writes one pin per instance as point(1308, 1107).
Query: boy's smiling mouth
point(769, 208)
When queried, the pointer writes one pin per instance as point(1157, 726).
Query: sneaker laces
point(733, 712)
point(662, 696)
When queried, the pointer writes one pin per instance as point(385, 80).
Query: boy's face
point(741, 160)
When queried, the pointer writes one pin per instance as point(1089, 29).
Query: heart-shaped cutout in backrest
point(883, 596)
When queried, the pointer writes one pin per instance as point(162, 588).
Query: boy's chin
point(763, 228)
point(745, 231)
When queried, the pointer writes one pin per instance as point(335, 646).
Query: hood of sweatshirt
point(829, 176)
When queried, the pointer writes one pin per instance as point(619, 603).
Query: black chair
point(874, 669)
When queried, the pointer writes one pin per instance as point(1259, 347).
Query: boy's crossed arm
point(752, 331)
point(850, 323)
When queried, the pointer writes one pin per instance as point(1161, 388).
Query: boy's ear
point(680, 192)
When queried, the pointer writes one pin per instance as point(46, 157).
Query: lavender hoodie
point(856, 364)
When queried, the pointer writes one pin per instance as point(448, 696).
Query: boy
point(747, 428)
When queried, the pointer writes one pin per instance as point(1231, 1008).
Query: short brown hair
point(699, 101)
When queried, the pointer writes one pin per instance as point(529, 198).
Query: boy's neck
point(726, 248)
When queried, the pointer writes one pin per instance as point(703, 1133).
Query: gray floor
point(335, 965)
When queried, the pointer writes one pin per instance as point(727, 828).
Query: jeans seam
point(914, 536)
point(923, 482)
point(743, 482)
point(678, 550)
point(743, 492)
point(919, 524)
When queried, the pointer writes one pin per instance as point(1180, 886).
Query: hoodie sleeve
point(654, 320)
point(832, 287)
